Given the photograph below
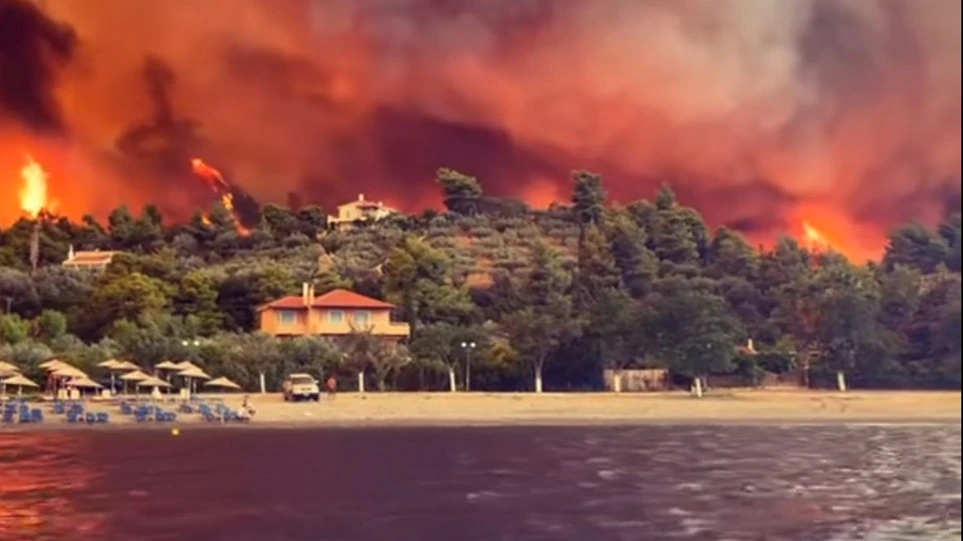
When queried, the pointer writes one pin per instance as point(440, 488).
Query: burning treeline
point(763, 115)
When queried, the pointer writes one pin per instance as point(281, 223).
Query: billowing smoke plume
point(758, 112)
point(32, 49)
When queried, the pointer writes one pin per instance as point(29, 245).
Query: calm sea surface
point(452, 484)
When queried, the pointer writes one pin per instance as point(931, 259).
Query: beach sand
point(736, 406)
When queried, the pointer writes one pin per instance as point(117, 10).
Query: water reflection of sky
point(779, 483)
point(43, 477)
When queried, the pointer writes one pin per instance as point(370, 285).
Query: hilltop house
point(95, 259)
point(359, 211)
point(336, 313)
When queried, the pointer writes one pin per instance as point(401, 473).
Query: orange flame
point(212, 176)
point(33, 193)
point(215, 180)
point(814, 239)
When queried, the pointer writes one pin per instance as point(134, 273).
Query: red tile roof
point(338, 298)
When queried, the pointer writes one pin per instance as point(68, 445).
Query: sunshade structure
point(8, 368)
point(168, 365)
point(191, 373)
point(194, 373)
point(186, 365)
point(136, 375)
point(123, 366)
point(114, 366)
point(151, 381)
point(53, 364)
point(68, 371)
point(17, 381)
point(84, 383)
point(223, 383)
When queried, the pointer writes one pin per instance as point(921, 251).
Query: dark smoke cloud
point(754, 109)
point(32, 49)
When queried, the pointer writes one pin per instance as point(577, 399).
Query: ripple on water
point(799, 483)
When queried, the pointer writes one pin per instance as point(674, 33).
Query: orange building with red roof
point(335, 313)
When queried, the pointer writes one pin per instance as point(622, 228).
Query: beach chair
point(125, 408)
point(103, 417)
point(25, 417)
point(90, 417)
point(59, 408)
point(36, 415)
point(9, 415)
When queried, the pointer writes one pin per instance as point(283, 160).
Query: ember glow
point(750, 113)
point(33, 191)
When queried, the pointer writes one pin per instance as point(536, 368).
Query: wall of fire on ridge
point(842, 114)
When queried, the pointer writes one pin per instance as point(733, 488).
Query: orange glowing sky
point(845, 115)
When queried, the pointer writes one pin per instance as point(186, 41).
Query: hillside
point(568, 291)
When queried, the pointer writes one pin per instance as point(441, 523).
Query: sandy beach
point(568, 408)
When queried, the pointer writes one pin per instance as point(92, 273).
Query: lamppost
point(468, 347)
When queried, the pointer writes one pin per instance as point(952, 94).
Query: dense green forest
point(565, 292)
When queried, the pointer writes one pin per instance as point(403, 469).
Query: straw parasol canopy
point(53, 364)
point(151, 381)
point(194, 373)
point(223, 383)
point(19, 381)
point(6, 367)
point(136, 375)
point(186, 365)
point(84, 383)
point(68, 371)
point(167, 365)
point(126, 365)
point(110, 364)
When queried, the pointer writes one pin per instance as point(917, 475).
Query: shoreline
point(409, 410)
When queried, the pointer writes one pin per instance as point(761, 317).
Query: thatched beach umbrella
point(136, 375)
point(17, 381)
point(123, 366)
point(8, 368)
point(68, 371)
point(192, 373)
point(84, 383)
point(155, 383)
point(186, 365)
point(151, 381)
point(53, 364)
point(166, 366)
point(223, 383)
point(113, 366)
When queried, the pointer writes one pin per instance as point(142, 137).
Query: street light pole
point(468, 347)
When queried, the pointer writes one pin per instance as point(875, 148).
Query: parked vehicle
point(299, 387)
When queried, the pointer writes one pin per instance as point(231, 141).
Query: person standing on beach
point(332, 386)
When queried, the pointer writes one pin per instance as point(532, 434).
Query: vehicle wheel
point(316, 398)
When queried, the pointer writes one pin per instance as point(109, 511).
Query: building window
point(287, 317)
point(335, 317)
point(361, 318)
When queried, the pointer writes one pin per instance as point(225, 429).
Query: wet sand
point(736, 406)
